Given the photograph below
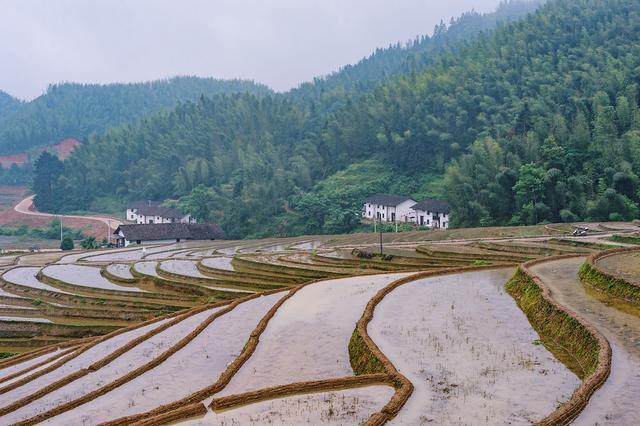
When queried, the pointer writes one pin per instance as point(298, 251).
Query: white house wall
point(428, 220)
point(402, 211)
point(134, 216)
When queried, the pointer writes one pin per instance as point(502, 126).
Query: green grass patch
point(567, 339)
point(614, 287)
point(585, 244)
point(50, 232)
point(625, 239)
point(4, 355)
point(363, 361)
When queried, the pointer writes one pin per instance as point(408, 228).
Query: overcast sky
point(277, 42)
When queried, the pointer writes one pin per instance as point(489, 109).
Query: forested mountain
point(401, 58)
point(77, 110)
point(8, 106)
point(536, 121)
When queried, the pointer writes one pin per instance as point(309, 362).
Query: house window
point(428, 222)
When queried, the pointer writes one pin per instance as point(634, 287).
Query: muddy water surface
point(469, 352)
point(347, 407)
point(626, 265)
point(223, 263)
point(308, 337)
point(85, 276)
point(121, 270)
point(27, 277)
point(82, 361)
point(616, 403)
point(194, 367)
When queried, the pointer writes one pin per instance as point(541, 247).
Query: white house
point(431, 213)
point(166, 232)
point(387, 208)
point(149, 212)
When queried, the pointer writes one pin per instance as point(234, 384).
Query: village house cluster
point(399, 209)
point(153, 223)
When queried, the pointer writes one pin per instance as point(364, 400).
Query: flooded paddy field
point(26, 276)
point(120, 270)
point(346, 407)
point(469, 352)
point(193, 367)
point(623, 265)
point(74, 364)
point(85, 276)
point(616, 402)
point(146, 268)
point(189, 269)
point(308, 337)
point(124, 364)
point(220, 262)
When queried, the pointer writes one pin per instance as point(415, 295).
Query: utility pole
point(60, 229)
point(380, 237)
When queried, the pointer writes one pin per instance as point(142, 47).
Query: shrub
point(67, 243)
point(568, 216)
point(89, 243)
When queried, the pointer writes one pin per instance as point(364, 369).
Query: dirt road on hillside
point(25, 207)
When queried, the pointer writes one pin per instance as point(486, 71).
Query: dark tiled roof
point(155, 209)
point(171, 231)
point(386, 199)
point(437, 206)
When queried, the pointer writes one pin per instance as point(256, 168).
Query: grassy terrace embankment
point(580, 346)
point(619, 280)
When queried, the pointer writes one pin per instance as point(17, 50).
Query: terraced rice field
point(624, 265)
point(468, 361)
point(307, 331)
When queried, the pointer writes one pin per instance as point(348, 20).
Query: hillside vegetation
point(536, 121)
point(78, 110)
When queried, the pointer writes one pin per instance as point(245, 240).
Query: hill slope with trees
point(536, 121)
point(78, 110)
point(8, 106)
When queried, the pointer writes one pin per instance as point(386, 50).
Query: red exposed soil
point(12, 195)
point(18, 159)
point(65, 147)
point(12, 218)
point(62, 149)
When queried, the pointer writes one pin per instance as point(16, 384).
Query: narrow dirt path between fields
point(616, 402)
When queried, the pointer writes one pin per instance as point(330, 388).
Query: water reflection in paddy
point(469, 351)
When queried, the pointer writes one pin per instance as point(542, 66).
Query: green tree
point(89, 243)
point(67, 243)
point(47, 171)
